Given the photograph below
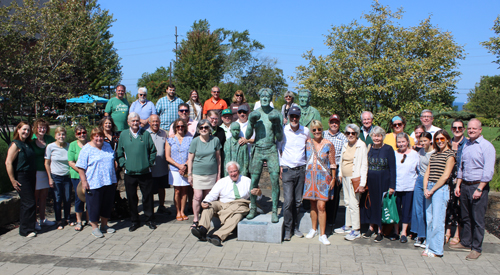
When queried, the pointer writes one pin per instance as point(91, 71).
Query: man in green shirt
point(118, 107)
point(136, 153)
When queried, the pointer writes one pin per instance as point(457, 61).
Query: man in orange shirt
point(214, 103)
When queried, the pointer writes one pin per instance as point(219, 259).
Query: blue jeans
point(79, 205)
point(418, 212)
point(435, 210)
point(62, 192)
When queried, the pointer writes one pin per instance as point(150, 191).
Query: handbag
point(356, 182)
point(390, 213)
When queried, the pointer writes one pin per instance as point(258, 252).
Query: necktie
point(236, 191)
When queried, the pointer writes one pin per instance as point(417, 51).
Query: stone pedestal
point(261, 229)
point(9, 207)
point(305, 223)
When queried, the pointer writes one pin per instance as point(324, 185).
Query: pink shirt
point(192, 124)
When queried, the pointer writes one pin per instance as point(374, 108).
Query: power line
point(152, 46)
point(144, 39)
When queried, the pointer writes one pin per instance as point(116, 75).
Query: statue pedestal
point(261, 229)
point(305, 224)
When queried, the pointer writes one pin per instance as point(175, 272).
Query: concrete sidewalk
point(171, 249)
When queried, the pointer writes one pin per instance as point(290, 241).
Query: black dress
point(381, 177)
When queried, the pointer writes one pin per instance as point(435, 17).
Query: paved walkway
point(171, 249)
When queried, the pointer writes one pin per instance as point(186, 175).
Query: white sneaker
point(31, 235)
point(353, 235)
point(424, 245)
point(343, 230)
point(323, 239)
point(37, 226)
point(47, 223)
point(311, 234)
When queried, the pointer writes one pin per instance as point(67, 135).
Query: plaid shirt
point(167, 110)
point(338, 141)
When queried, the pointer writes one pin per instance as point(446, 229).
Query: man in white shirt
point(426, 117)
point(292, 170)
point(228, 199)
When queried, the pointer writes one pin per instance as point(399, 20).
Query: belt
point(295, 168)
point(471, 182)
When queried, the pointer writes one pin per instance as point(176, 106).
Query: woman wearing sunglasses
point(437, 182)
point(286, 107)
point(406, 174)
point(453, 212)
point(238, 100)
point(353, 171)
point(73, 151)
point(204, 164)
point(398, 124)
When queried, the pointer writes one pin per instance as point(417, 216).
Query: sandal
point(78, 226)
point(455, 240)
point(425, 253)
point(70, 223)
point(194, 225)
point(60, 226)
point(447, 238)
point(184, 217)
point(179, 218)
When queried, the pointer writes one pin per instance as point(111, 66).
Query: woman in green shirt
point(40, 140)
point(74, 150)
point(203, 165)
point(22, 173)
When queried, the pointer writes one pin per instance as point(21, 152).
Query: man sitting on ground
point(228, 199)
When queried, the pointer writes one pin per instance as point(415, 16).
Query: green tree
point(383, 68)
point(52, 52)
point(155, 82)
point(484, 99)
point(263, 74)
point(200, 63)
point(493, 45)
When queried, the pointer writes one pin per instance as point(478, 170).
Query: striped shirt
point(167, 110)
point(437, 164)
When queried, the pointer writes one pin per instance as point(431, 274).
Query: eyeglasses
point(397, 124)
point(441, 139)
point(184, 110)
point(294, 116)
point(142, 94)
point(426, 116)
point(348, 133)
point(239, 112)
point(217, 92)
point(204, 128)
point(317, 130)
point(457, 128)
point(41, 128)
point(239, 95)
point(180, 126)
point(288, 96)
point(81, 133)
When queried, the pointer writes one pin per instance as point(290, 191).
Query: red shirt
point(210, 105)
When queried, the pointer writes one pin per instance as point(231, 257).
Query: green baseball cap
point(227, 112)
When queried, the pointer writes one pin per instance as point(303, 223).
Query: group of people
point(212, 154)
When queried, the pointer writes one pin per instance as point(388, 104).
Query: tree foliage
point(263, 74)
point(155, 82)
point(484, 99)
point(493, 45)
point(383, 67)
point(52, 52)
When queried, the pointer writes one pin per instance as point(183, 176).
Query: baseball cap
point(294, 111)
point(227, 112)
point(243, 107)
point(334, 117)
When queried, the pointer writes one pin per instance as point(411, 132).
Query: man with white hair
point(136, 153)
point(367, 121)
point(426, 117)
point(143, 107)
point(228, 199)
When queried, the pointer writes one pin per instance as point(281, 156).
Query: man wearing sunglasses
point(214, 103)
point(118, 108)
point(143, 107)
point(165, 107)
point(292, 152)
point(183, 112)
point(475, 171)
point(426, 117)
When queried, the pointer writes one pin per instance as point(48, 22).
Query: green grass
point(5, 184)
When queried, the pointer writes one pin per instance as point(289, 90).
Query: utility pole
point(170, 73)
point(176, 43)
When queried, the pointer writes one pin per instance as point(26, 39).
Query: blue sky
point(144, 30)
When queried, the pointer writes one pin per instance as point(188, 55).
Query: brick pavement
point(171, 249)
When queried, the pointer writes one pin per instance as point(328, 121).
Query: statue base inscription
point(261, 229)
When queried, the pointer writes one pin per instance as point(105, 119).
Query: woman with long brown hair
point(195, 107)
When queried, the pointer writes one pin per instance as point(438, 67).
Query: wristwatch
point(479, 189)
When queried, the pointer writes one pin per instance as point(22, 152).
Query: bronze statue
point(234, 151)
point(267, 123)
point(308, 113)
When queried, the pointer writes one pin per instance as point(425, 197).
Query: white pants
point(351, 200)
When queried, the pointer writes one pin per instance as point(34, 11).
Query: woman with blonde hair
point(238, 100)
point(57, 166)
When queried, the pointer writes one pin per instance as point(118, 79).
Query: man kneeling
point(231, 207)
